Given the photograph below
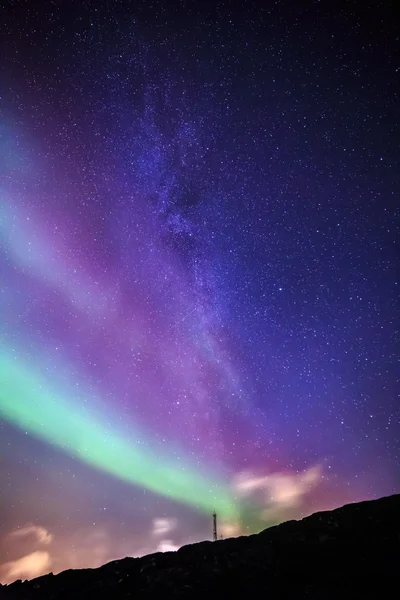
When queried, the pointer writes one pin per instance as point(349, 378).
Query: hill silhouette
point(350, 552)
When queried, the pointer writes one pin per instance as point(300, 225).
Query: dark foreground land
point(351, 552)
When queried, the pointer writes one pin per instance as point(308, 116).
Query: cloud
point(167, 546)
point(278, 491)
point(163, 526)
point(29, 566)
point(40, 533)
point(228, 530)
point(88, 547)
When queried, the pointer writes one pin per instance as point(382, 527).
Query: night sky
point(198, 295)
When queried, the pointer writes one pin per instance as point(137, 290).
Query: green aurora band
point(28, 402)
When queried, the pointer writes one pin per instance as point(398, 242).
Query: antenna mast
point(215, 534)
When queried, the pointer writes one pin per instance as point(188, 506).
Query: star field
point(198, 272)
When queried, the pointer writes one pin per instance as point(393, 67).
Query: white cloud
point(40, 533)
point(228, 530)
point(279, 491)
point(29, 566)
point(163, 526)
point(167, 546)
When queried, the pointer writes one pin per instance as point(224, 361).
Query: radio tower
point(215, 534)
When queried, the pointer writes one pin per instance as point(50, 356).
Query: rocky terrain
point(351, 552)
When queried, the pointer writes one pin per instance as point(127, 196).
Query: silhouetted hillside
point(351, 552)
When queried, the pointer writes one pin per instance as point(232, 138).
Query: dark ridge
point(350, 552)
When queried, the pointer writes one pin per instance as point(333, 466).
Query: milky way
point(198, 275)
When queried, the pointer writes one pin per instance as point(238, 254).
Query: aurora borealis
point(198, 211)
